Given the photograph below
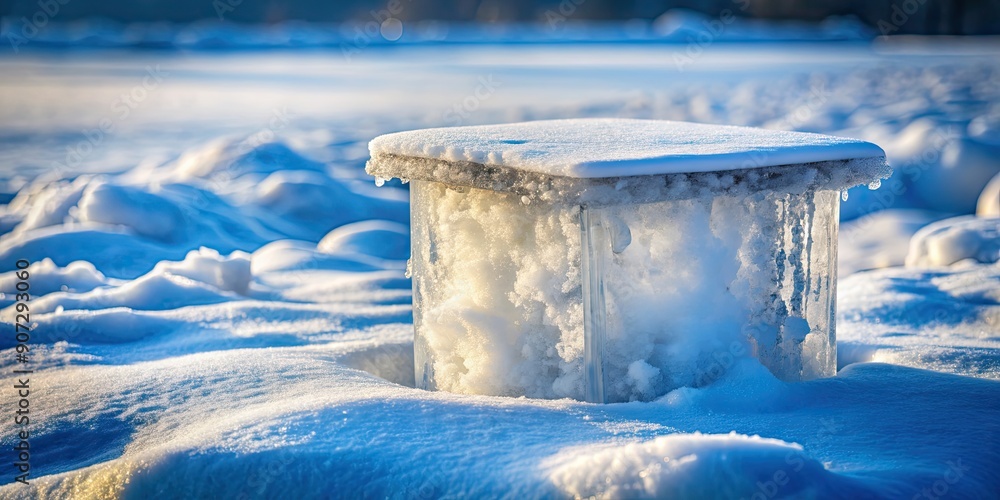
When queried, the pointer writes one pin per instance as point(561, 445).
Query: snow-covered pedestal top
point(612, 160)
point(610, 147)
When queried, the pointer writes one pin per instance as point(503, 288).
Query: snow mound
point(940, 165)
point(697, 466)
point(114, 254)
point(380, 238)
point(141, 212)
point(879, 239)
point(989, 201)
point(306, 412)
point(203, 277)
point(966, 165)
point(226, 159)
point(41, 204)
point(319, 203)
point(949, 241)
point(268, 188)
point(85, 327)
point(154, 291)
point(124, 227)
point(47, 277)
point(228, 273)
point(293, 255)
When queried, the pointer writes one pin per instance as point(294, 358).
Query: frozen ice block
point(614, 260)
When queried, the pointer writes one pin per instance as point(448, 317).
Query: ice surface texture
point(501, 291)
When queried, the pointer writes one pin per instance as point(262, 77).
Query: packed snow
point(989, 202)
point(970, 238)
point(599, 148)
point(881, 239)
point(220, 302)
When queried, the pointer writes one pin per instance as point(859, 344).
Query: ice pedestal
point(616, 260)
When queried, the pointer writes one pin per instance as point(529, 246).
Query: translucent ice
point(637, 270)
point(499, 306)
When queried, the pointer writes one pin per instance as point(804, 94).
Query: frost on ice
point(639, 267)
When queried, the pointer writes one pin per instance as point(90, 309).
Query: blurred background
point(955, 17)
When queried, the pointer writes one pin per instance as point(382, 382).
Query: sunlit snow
point(221, 307)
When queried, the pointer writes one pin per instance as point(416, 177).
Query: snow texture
point(943, 243)
point(605, 147)
point(881, 239)
point(989, 202)
point(159, 374)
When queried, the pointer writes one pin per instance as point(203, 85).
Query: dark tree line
point(894, 16)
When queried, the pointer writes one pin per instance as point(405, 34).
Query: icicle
point(811, 287)
point(379, 181)
point(875, 184)
point(799, 266)
point(409, 268)
point(780, 308)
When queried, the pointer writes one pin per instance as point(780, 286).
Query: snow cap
point(490, 156)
